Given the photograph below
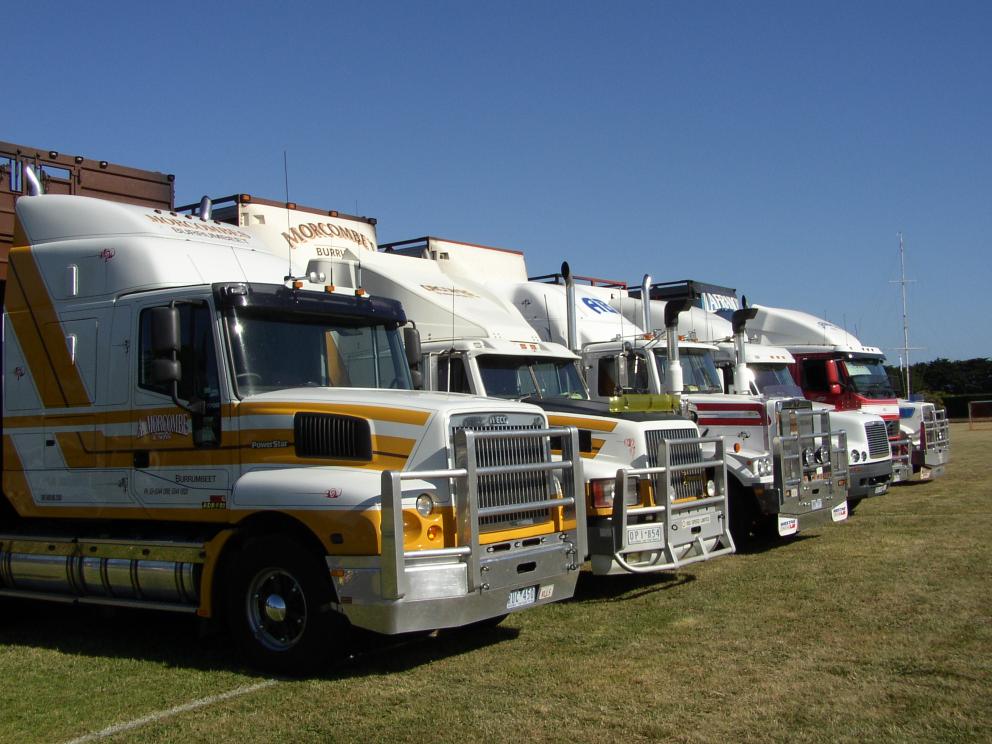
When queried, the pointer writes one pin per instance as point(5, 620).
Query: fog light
point(425, 504)
point(808, 456)
point(822, 454)
point(864, 455)
point(855, 456)
point(710, 488)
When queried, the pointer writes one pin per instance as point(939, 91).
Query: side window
point(637, 373)
point(605, 372)
point(815, 375)
point(196, 355)
point(455, 367)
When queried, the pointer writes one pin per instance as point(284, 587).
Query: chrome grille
point(687, 483)
point(878, 438)
point(506, 489)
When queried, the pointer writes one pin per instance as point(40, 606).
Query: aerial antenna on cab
point(289, 227)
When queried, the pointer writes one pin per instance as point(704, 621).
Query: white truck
point(784, 469)
point(832, 366)
point(196, 420)
point(474, 341)
point(758, 369)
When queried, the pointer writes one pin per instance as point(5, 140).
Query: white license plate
point(925, 474)
point(816, 504)
point(521, 597)
point(642, 535)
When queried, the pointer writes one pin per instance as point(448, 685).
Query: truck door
point(178, 455)
point(814, 380)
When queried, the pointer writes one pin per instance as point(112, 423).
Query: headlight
point(855, 456)
point(425, 504)
point(822, 454)
point(761, 466)
point(808, 456)
point(864, 455)
point(710, 488)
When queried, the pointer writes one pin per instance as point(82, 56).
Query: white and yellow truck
point(195, 419)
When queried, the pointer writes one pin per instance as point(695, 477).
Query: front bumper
point(792, 517)
point(930, 463)
point(871, 479)
point(437, 593)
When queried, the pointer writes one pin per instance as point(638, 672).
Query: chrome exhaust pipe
point(646, 304)
point(34, 183)
point(572, 332)
point(206, 208)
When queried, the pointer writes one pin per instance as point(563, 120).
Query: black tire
point(279, 607)
point(746, 519)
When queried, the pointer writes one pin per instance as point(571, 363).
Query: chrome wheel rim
point(277, 609)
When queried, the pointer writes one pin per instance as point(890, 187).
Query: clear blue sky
point(776, 147)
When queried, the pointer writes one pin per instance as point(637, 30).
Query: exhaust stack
point(673, 308)
point(206, 208)
point(34, 183)
point(646, 304)
point(739, 321)
point(571, 328)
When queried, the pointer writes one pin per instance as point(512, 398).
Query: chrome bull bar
point(468, 513)
point(807, 455)
point(937, 431)
point(671, 508)
point(902, 459)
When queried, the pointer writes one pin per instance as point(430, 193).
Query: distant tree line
point(950, 383)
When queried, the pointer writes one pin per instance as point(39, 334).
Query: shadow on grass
point(624, 587)
point(764, 543)
point(184, 641)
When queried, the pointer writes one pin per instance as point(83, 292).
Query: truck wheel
point(279, 607)
point(747, 523)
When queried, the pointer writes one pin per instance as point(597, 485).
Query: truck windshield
point(699, 373)
point(868, 378)
point(520, 377)
point(274, 351)
point(774, 380)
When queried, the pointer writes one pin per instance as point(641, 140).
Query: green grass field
point(879, 629)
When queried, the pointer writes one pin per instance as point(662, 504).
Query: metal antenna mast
point(906, 348)
point(285, 173)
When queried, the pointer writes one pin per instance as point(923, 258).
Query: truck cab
point(833, 367)
point(188, 427)
point(766, 371)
